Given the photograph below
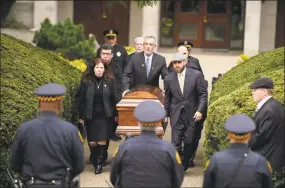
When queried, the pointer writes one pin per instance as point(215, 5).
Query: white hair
point(150, 37)
point(138, 38)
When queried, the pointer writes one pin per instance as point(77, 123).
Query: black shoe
point(116, 137)
point(98, 169)
point(104, 163)
point(191, 164)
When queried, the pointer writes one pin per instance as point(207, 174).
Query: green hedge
point(248, 71)
point(231, 95)
point(24, 68)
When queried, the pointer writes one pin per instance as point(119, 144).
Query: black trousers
point(196, 139)
point(183, 132)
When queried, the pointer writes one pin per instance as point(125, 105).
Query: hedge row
point(24, 68)
point(247, 72)
point(232, 95)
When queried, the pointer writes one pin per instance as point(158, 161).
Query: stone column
point(135, 22)
point(65, 10)
point(268, 26)
point(44, 9)
point(151, 22)
point(252, 27)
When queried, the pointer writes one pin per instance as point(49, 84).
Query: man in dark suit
point(108, 56)
point(185, 100)
point(194, 62)
point(144, 68)
point(119, 53)
point(268, 138)
point(183, 49)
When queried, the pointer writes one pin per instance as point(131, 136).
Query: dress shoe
point(116, 137)
point(98, 170)
point(191, 164)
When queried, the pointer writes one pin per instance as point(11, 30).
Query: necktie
point(147, 66)
point(181, 83)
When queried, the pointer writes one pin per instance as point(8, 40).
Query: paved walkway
point(212, 64)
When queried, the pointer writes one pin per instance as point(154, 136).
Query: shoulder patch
point(81, 139)
point(115, 152)
point(177, 156)
point(269, 166)
point(207, 164)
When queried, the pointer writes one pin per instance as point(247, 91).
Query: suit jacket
point(86, 96)
point(194, 62)
point(194, 97)
point(196, 66)
point(268, 137)
point(114, 68)
point(120, 56)
point(135, 71)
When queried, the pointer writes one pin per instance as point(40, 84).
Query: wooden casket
point(127, 124)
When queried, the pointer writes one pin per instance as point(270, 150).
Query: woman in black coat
point(97, 104)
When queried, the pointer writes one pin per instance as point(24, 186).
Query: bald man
point(190, 64)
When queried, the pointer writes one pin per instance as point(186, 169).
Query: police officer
point(120, 54)
point(146, 160)
point(45, 147)
point(238, 166)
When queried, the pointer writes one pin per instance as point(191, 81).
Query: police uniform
point(238, 166)
point(120, 54)
point(46, 146)
point(146, 160)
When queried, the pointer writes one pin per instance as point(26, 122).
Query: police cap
point(50, 92)
point(149, 113)
point(239, 124)
point(186, 43)
point(110, 33)
point(263, 82)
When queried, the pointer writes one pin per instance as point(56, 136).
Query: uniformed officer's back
point(146, 160)
point(45, 147)
point(47, 142)
point(238, 166)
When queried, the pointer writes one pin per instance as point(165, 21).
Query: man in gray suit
point(144, 68)
point(185, 100)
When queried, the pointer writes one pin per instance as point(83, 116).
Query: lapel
point(153, 65)
point(255, 115)
point(186, 82)
point(176, 83)
point(142, 64)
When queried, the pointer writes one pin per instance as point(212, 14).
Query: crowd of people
point(257, 144)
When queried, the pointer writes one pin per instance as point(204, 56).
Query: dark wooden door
point(188, 25)
point(216, 24)
point(97, 16)
point(279, 37)
point(206, 23)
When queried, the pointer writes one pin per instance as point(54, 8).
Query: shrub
point(248, 71)
point(231, 95)
point(66, 38)
point(24, 68)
